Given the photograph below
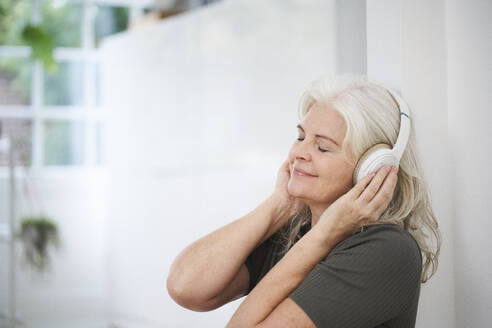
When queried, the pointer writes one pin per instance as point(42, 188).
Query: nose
point(300, 151)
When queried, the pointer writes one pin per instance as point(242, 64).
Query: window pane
point(62, 19)
point(109, 20)
point(15, 81)
point(65, 87)
point(63, 142)
point(14, 15)
point(20, 133)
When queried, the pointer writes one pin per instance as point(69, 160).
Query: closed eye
point(321, 150)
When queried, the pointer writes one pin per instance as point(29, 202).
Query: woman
point(321, 251)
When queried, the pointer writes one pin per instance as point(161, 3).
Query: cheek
point(326, 185)
point(326, 170)
point(334, 176)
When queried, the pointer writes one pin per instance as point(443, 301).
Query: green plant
point(36, 234)
point(41, 45)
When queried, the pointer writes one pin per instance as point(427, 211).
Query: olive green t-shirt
point(371, 279)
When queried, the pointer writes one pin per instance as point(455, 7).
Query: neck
point(316, 212)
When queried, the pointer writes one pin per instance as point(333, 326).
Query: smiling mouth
point(301, 174)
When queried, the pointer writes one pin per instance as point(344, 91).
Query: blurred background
point(131, 128)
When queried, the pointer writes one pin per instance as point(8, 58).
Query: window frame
point(88, 113)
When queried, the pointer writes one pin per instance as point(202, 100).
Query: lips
point(304, 173)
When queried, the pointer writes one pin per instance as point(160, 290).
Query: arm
point(281, 280)
point(369, 279)
point(208, 266)
point(267, 303)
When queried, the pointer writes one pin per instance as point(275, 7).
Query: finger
point(385, 194)
point(286, 165)
point(361, 185)
point(371, 190)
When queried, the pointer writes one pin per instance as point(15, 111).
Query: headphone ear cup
point(368, 157)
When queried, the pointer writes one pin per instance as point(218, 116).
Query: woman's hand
point(361, 205)
point(287, 203)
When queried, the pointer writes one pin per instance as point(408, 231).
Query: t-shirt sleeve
point(364, 281)
point(261, 260)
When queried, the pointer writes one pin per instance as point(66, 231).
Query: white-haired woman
point(323, 251)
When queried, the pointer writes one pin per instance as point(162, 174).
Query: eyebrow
point(319, 135)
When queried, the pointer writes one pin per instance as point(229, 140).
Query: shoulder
point(379, 236)
point(375, 272)
point(384, 247)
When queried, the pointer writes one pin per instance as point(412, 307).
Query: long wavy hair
point(372, 116)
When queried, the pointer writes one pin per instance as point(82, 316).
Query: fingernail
point(395, 169)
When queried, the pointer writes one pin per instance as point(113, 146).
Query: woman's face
point(320, 157)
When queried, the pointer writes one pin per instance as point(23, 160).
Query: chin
point(296, 190)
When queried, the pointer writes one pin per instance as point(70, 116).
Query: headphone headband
point(403, 135)
point(382, 153)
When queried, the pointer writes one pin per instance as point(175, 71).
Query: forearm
point(283, 278)
point(204, 268)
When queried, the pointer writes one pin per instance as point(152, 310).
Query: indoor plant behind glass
point(37, 234)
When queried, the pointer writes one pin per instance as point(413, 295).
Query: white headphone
point(382, 154)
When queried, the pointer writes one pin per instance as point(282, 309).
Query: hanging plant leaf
point(36, 234)
point(41, 45)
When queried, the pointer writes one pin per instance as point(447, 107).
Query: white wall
point(351, 36)
point(203, 113)
point(469, 50)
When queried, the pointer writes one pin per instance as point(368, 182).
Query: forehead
point(326, 120)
